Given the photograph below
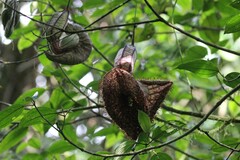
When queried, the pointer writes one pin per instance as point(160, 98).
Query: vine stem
point(200, 115)
point(219, 143)
point(188, 34)
point(112, 10)
point(187, 132)
point(237, 88)
point(63, 135)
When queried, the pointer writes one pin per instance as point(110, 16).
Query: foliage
point(194, 43)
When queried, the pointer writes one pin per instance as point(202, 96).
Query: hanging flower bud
point(67, 47)
point(123, 96)
point(126, 58)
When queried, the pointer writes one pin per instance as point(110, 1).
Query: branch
point(232, 152)
point(226, 91)
point(200, 115)
point(112, 10)
point(63, 135)
point(186, 133)
point(170, 124)
point(113, 26)
point(75, 86)
point(93, 68)
point(85, 30)
point(103, 55)
point(187, 154)
point(219, 143)
point(5, 103)
point(188, 34)
point(205, 28)
point(21, 61)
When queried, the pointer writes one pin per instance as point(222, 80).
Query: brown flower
point(124, 96)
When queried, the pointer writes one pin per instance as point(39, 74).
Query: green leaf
point(35, 156)
point(57, 98)
point(200, 67)
point(80, 19)
point(232, 79)
point(194, 53)
point(23, 31)
point(113, 129)
point(124, 147)
point(203, 82)
point(191, 54)
point(33, 117)
point(108, 6)
point(27, 40)
point(41, 7)
point(232, 142)
point(94, 85)
point(60, 146)
point(112, 139)
point(144, 121)
point(35, 143)
point(21, 100)
point(74, 73)
point(146, 33)
point(203, 139)
point(21, 147)
point(95, 158)
point(185, 19)
point(12, 138)
point(211, 21)
point(93, 4)
point(59, 2)
point(161, 156)
point(197, 5)
point(10, 113)
point(70, 132)
point(236, 4)
point(157, 133)
point(233, 108)
point(233, 25)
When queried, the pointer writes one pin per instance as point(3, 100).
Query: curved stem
point(188, 34)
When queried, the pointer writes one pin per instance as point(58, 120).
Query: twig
point(205, 28)
point(113, 26)
point(103, 55)
point(233, 152)
point(171, 124)
point(226, 91)
point(93, 68)
point(63, 135)
point(47, 4)
point(219, 143)
point(188, 34)
point(109, 12)
point(75, 86)
point(200, 115)
point(5, 103)
point(85, 30)
point(187, 154)
point(186, 133)
point(21, 61)
point(81, 119)
point(99, 115)
point(81, 109)
point(46, 24)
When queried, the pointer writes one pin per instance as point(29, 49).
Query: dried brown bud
point(124, 96)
